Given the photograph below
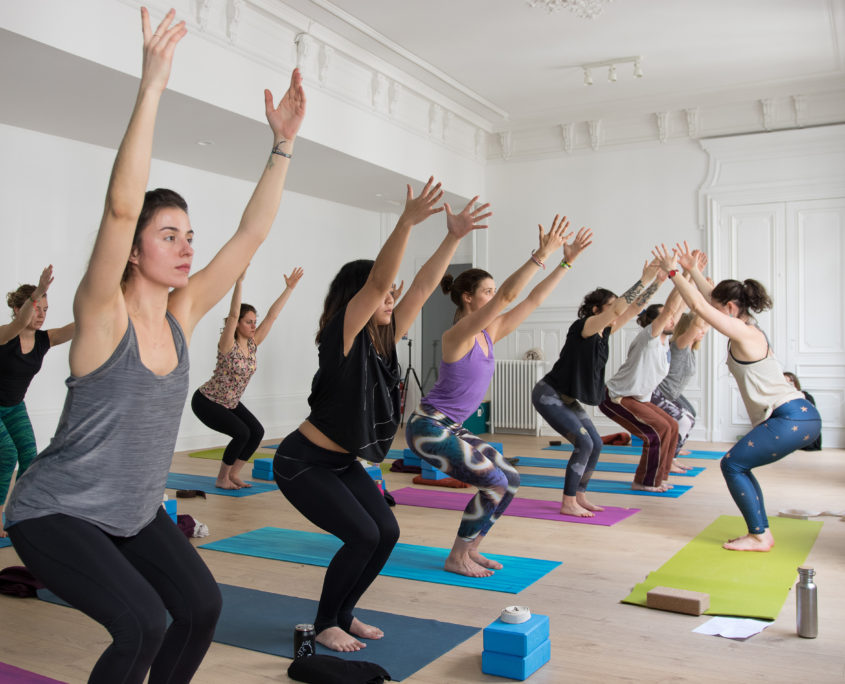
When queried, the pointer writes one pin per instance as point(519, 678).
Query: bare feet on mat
point(338, 640)
point(225, 484)
point(239, 482)
point(581, 500)
point(359, 629)
point(684, 452)
point(576, 509)
point(677, 468)
point(642, 488)
point(751, 542)
point(484, 562)
point(466, 566)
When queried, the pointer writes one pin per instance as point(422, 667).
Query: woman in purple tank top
point(434, 431)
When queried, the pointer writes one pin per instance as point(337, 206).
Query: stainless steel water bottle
point(806, 604)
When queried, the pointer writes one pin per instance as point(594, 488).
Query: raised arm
point(458, 339)
point(98, 298)
point(623, 307)
point(383, 274)
point(206, 287)
point(667, 312)
point(509, 321)
point(227, 336)
point(428, 277)
point(24, 315)
point(276, 307)
point(61, 335)
point(693, 263)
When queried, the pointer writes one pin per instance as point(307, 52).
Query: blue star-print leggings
point(791, 426)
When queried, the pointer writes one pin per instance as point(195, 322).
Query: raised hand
point(418, 209)
point(286, 119)
point(686, 258)
point(582, 240)
point(159, 46)
point(468, 220)
point(293, 278)
point(396, 292)
point(44, 282)
point(650, 271)
point(702, 259)
point(550, 242)
point(666, 260)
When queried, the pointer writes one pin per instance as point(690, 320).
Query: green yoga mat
point(740, 583)
point(217, 454)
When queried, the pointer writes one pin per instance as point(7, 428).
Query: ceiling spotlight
point(611, 73)
point(205, 143)
point(638, 68)
point(588, 77)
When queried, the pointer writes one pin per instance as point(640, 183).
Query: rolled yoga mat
point(264, 622)
point(740, 583)
point(602, 486)
point(601, 467)
point(217, 454)
point(519, 507)
point(206, 484)
point(409, 561)
point(637, 450)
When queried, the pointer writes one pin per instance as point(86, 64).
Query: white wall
point(52, 196)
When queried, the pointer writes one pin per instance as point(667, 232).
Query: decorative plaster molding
point(324, 62)
point(435, 121)
point(768, 107)
point(203, 7)
point(595, 133)
point(393, 97)
point(506, 142)
point(380, 86)
point(799, 104)
point(567, 133)
point(662, 126)
point(692, 122)
point(233, 18)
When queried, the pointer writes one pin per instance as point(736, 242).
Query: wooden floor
point(594, 637)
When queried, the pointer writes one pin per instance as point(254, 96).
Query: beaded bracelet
point(565, 264)
point(537, 261)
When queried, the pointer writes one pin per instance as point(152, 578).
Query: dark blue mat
point(263, 621)
point(408, 561)
point(206, 484)
point(603, 486)
point(533, 462)
point(637, 450)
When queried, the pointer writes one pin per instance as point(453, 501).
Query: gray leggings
point(678, 411)
point(571, 420)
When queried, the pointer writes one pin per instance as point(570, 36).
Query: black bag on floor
point(326, 669)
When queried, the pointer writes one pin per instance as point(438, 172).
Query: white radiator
point(510, 397)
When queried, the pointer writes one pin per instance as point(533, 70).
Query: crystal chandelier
point(586, 9)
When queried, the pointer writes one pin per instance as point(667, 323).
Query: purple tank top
point(462, 384)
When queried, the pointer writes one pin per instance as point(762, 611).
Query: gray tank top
point(108, 461)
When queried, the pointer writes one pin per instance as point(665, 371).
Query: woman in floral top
point(217, 403)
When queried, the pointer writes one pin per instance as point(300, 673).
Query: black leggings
point(243, 427)
point(345, 502)
point(128, 584)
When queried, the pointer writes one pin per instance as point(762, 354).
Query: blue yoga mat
point(409, 561)
point(206, 484)
point(264, 622)
point(533, 462)
point(603, 486)
point(636, 451)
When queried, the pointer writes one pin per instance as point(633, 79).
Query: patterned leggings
point(17, 444)
point(686, 419)
point(448, 446)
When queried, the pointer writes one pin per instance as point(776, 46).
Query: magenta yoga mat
point(520, 508)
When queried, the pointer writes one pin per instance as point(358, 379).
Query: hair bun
point(446, 283)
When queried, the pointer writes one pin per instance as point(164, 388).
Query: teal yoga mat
point(603, 486)
point(533, 462)
point(206, 484)
point(4, 542)
point(408, 561)
point(636, 451)
point(264, 622)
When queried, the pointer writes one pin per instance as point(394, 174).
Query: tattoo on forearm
point(633, 291)
point(642, 300)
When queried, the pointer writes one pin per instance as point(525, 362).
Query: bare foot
point(581, 498)
point(338, 640)
point(225, 484)
point(684, 452)
point(359, 629)
point(677, 468)
point(485, 562)
point(642, 488)
point(239, 482)
point(751, 542)
point(465, 566)
point(576, 509)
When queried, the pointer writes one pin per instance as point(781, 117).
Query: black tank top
point(579, 372)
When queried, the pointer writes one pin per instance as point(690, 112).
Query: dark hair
point(18, 298)
point(648, 314)
point(750, 295)
point(466, 283)
point(794, 379)
point(597, 298)
point(346, 284)
point(160, 198)
point(245, 309)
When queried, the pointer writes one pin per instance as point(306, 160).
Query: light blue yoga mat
point(603, 486)
point(408, 561)
point(533, 462)
point(206, 484)
point(636, 451)
point(264, 622)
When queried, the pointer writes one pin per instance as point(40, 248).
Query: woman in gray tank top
point(782, 419)
point(86, 517)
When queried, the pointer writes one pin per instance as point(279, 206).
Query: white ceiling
point(513, 64)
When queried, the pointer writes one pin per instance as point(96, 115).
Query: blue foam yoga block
point(170, 508)
point(636, 441)
point(431, 473)
point(378, 477)
point(515, 667)
point(409, 458)
point(516, 639)
point(498, 446)
point(263, 464)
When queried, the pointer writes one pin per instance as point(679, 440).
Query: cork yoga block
point(678, 600)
